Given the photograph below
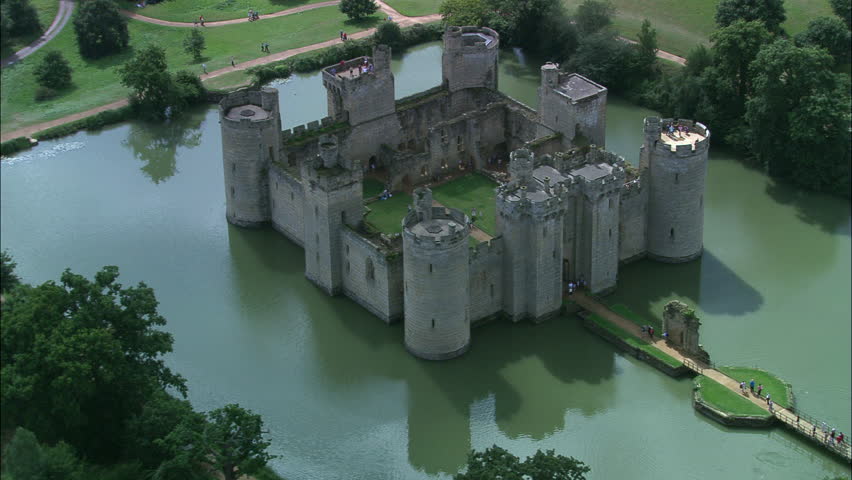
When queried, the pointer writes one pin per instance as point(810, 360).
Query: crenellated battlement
point(311, 129)
point(695, 142)
point(471, 39)
point(437, 227)
point(489, 248)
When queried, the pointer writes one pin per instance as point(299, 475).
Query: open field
point(96, 82)
point(683, 25)
point(469, 192)
point(386, 215)
point(771, 384)
point(213, 10)
point(415, 8)
point(46, 12)
point(635, 342)
point(723, 399)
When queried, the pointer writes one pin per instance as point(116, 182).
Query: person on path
point(204, 68)
point(341, 34)
point(232, 62)
point(751, 385)
point(840, 438)
point(651, 332)
point(201, 20)
point(768, 396)
point(770, 405)
point(832, 432)
point(759, 390)
point(742, 387)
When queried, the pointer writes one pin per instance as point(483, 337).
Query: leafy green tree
point(770, 12)
point(829, 33)
point(153, 86)
point(100, 28)
point(496, 463)
point(22, 17)
point(594, 15)
point(194, 44)
point(146, 431)
point(734, 48)
point(8, 278)
point(605, 59)
point(358, 9)
point(23, 457)
point(53, 71)
point(79, 358)
point(5, 27)
point(464, 12)
point(231, 440)
point(843, 9)
point(647, 46)
point(799, 117)
point(388, 33)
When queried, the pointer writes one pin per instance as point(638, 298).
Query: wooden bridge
point(802, 424)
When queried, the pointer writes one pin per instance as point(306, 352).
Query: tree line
point(782, 100)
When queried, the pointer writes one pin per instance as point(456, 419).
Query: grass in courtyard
point(46, 12)
point(468, 192)
point(213, 10)
point(634, 317)
point(415, 8)
point(387, 215)
point(372, 188)
point(725, 400)
point(683, 25)
point(96, 82)
point(771, 384)
point(635, 342)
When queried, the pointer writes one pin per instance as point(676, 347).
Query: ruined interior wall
point(486, 288)
point(287, 204)
point(377, 288)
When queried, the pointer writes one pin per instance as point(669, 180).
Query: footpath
point(798, 422)
point(66, 7)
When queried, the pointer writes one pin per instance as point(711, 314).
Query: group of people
point(386, 194)
point(649, 329)
point(340, 69)
point(344, 36)
point(253, 15)
point(199, 20)
point(677, 131)
point(264, 47)
point(833, 436)
point(574, 286)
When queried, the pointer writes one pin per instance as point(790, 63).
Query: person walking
point(768, 397)
point(201, 20)
point(751, 385)
point(651, 332)
point(232, 62)
point(204, 68)
point(759, 390)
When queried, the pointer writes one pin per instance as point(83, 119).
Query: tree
point(605, 59)
point(843, 9)
point(770, 12)
point(358, 9)
point(53, 71)
point(153, 86)
point(194, 44)
point(647, 47)
point(101, 29)
point(22, 17)
point(464, 12)
point(22, 457)
point(593, 15)
point(497, 463)
point(829, 33)
point(80, 358)
point(734, 48)
point(8, 278)
point(799, 116)
point(229, 438)
point(388, 33)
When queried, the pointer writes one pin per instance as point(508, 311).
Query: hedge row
point(14, 145)
point(312, 61)
point(94, 122)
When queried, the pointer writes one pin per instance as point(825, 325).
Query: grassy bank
point(635, 342)
point(469, 192)
point(96, 82)
point(721, 398)
point(634, 317)
point(213, 10)
point(772, 385)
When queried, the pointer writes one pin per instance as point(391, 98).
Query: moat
point(337, 390)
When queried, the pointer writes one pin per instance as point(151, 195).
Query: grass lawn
point(213, 10)
point(415, 8)
point(771, 384)
point(372, 188)
point(468, 192)
point(387, 215)
point(625, 312)
point(96, 82)
point(46, 12)
point(228, 80)
point(720, 397)
point(635, 342)
point(683, 25)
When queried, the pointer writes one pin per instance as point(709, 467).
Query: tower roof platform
point(577, 87)
point(473, 38)
point(248, 111)
point(592, 171)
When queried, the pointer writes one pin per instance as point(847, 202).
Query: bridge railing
point(811, 428)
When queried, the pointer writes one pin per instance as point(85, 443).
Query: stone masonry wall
point(486, 287)
point(287, 202)
point(544, 289)
point(631, 230)
point(370, 278)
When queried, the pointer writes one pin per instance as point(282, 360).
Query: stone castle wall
point(287, 203)
point(633, 221)
point(372, 277)
point(486, 279)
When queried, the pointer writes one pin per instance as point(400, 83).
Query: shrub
point(53, 72)
point(101, 30)
point(94, 122)
point(388, 33)
point(190, 87)
point(14, 145)
point(593, 15)
point(22, 17)
point(356, 9)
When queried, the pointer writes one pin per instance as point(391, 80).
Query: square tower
point(572, 105)
point(361, 89)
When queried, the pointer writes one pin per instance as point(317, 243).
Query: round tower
point(470, 58)
point(251, 140)
point(435, 265)
point(676, 172)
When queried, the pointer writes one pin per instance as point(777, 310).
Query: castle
point(570, 209)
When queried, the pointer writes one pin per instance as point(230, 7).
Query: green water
point(339, 394)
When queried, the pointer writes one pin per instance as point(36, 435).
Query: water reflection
point(156, 144)
point(814, 209)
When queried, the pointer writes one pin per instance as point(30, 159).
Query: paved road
point(66, 7)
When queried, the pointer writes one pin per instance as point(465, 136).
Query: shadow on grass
point(112, 60)
point(363, 23)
